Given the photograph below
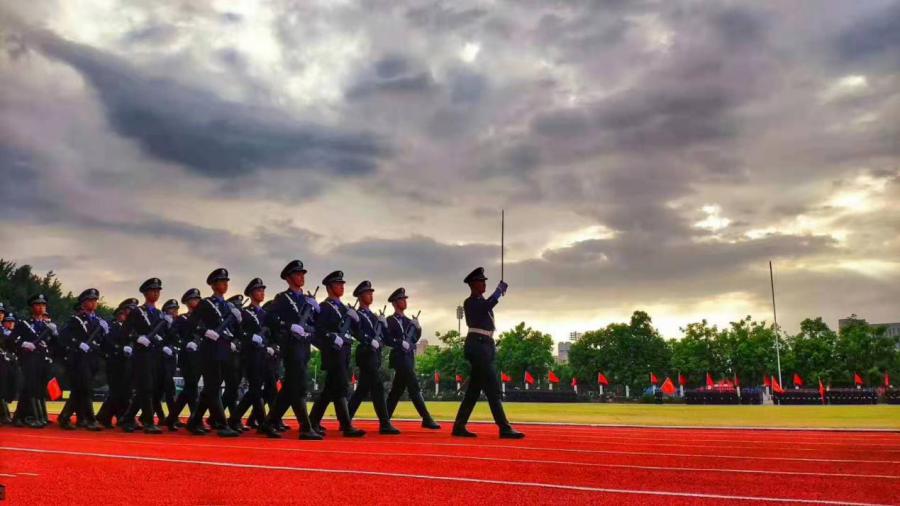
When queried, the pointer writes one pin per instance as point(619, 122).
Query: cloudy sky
point(649, 155)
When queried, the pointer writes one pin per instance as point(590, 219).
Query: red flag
point(821, 390)
point(278, 386)
point(682, 380)
point(653, 379)
point(459, 378)
point(601, 379)
point(766, 381)
point(53, 390)
point(709, 381)
point(887, 379)
point(353, 379)
point(776, 387)
point(574, 382)
point(553, 378)
point(737, 382)
point(668, 387)
point(504, 377)
point(798, 381)
point(857, 379)
point(437, 377)
point(529, 378)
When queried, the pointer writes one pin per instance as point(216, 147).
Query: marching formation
point(220, 344)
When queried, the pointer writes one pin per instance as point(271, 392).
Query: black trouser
point(335, 390)
point(164, 389)
point(231, 373)
point(118, 377)
point(292, 394)
point(479, 351)
point(253, 397)
point(210, 399)
point(370, 383)
point(145, 369)
point(81, 377)
point(405, 379)
point(32, 372)
point(190, 371)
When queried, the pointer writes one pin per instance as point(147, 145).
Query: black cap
point(2, 308)
point(129, 303)
point(365, 286)
point(237, 300)
point(292, 267)
point(9, 317)
point(398, 294)
point(254, 284)
point(191, 293)
point(476, 275)
point(37, 299)
point(89, 294)
point(220, 274)
point(334, 277)
point(150, 284)
point(170, 304)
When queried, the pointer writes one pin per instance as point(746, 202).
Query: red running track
point(554, 464)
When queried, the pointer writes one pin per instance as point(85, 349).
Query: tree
point(18, 284)
point(696, 353)
point(747, 350)
point(524, 348)
point(625, 352)
point(866, 350)
point(449, 360)
point(812, 352)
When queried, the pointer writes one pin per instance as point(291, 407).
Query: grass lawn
point(856, 417)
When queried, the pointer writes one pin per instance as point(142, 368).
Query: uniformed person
point(116, 349)
point(231, 369)
point(254, 350)
point(333, 337)
point(146, 326)
point(188, 337)
point(8, 367)
point(480, 351)
point(271, 378)
point(168, 362)
point(29, 338)
point(368, 332)
point(220, 319)
point(291, 322)
point(81, 339)
point(402, 335)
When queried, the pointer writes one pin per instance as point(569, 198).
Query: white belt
point(488, 333)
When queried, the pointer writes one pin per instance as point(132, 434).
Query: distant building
point(423, 345)
point(562, 353)
point(891, 329)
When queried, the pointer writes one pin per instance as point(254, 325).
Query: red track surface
point(555, 464)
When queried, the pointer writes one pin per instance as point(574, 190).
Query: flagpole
point(502, 241)
point(775, 317)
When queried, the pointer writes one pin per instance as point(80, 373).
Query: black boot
point(65, 424)
point(388, 429)
point(461, 431)
point(429, 423)
point(343, 416)
point(510, 433)
point(268, 431)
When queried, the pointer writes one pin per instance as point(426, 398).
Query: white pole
point(681, 390)
point(601, 388)
point(575, 387)
point(458, 386)
point(627, 391)
point(526, 385)
point(503, 387)
point(551, 387)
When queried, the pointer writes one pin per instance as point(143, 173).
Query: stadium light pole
point(775, 317)
point(459, 316)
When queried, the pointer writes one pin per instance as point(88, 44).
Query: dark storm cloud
point(877, 37)
point(207, 135)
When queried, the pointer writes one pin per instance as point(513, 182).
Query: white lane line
point(496, 459)
point(28, 474)
point(458, 479)
point(7, 475)
point(565, 450)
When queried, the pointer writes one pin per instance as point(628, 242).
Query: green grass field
point(845, 417)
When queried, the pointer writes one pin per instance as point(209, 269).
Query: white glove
point(338, 341)
point(270, 351)
point(143, 341)
point(312, 302)
point(53, 329)
point(211, 335)
point(28, 345)
point(233, 347)
point(256, 338)
point(382, 320)
point(167, 350)
point(416, 324)
point(298, 329)
point(84, 347)
point(375, 344)
point(191, 346)
point(353, 314)
point(168, 318)
point(405, 345)
point(157, 338)
point(127, 350)
point(237, 314)
point(103, 325)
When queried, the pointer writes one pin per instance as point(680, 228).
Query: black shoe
point(353, 432)
point(428, 423)
point(128, 427)
point(388, 430)
point(196, 431)
point(463, 432)
point(17, 422)
point(152, 429)
point(172, 427)
point(65, 424)
point(94, 427)
point(268, 431)
point(310, 435)
point(106, 424)
point(281, 427)
point(228, 432)
point(321, 430)
point(510, 433)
